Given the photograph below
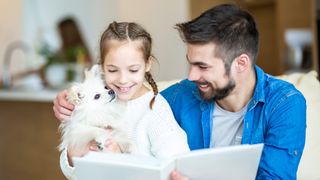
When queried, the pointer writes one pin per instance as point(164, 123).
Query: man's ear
point(74, 94)
point(242, 63)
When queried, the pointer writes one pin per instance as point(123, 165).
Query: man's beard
point(217, 93)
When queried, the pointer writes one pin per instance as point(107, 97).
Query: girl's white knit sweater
point(155, 132)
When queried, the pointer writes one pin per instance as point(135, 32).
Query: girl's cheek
point(109, 77)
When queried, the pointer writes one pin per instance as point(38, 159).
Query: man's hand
point(61, 107)
point(176, 176)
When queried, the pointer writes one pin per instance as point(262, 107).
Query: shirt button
point(295, 152)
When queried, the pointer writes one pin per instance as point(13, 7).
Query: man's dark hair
point(231, 29)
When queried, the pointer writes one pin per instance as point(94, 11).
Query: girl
point(125, 52)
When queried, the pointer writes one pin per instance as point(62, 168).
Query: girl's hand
point(109, 146)
point(73, 152)
point(61, 107)
point(112, 146)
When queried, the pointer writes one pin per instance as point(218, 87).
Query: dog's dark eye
point(111, 92)
point(97, 96)
point(106, 87)
point(79, 96)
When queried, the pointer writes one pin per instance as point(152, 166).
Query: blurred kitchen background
point(44, 44)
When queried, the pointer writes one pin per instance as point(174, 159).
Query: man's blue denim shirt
point(276, 116)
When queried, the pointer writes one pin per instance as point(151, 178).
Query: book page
point(233, 162)
point(104, 166)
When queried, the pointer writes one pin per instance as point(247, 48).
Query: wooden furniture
point(28, 139)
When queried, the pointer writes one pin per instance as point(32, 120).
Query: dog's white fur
point(97, 115)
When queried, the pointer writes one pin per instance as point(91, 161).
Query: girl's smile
point(124, 89)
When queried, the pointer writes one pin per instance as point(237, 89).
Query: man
point(228, 100)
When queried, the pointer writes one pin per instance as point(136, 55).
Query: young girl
point(125, 52)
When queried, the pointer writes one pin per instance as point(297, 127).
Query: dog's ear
point(95, 71)
point(74, 95)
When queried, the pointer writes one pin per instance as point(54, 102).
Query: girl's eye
point(97, 96)
point(112, 71)
point(133, 71)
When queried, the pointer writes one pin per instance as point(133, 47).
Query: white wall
point(159, 18)
point(30, 17)
point(44, 15)
point(10, 26)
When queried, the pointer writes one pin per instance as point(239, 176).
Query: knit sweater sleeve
point(66, 169)
point(166, 137)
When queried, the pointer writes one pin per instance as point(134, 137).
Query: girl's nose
point(123, 78)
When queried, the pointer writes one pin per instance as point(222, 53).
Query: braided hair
point(153, 85)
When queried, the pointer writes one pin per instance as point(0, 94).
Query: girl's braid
point(154, 86)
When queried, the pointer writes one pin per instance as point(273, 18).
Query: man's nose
point(193, 74)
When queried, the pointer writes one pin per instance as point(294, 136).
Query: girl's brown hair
point(128, 31)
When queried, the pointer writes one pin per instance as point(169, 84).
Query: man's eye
point(97, 96)
point(203, 67)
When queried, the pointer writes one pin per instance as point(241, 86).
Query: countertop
point(39, 95)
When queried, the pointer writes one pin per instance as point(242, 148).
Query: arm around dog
point(61, 107)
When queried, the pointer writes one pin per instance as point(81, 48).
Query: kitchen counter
point(42, 95)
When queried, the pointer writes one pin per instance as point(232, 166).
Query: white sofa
point(307, 83)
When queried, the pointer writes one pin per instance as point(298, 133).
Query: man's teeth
point(203, 85)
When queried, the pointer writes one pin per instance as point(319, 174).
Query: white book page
point(104, 166)
point(233, 162)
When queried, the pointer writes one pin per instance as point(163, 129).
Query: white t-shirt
point(227, 127)
point(155, 132)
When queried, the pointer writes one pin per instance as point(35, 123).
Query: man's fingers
point(61, 107)
point(61, 100)
point(177, 176)
point(61, 115)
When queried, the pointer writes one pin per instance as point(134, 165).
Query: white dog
point(97, 115)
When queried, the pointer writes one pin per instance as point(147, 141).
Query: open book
point(233, 162)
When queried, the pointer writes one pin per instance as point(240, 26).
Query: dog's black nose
point(111, 92)
point(97, 96)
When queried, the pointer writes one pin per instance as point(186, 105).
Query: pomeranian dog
point(98, 115)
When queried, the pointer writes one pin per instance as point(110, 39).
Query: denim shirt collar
point(204, 104)
point(259, 93)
